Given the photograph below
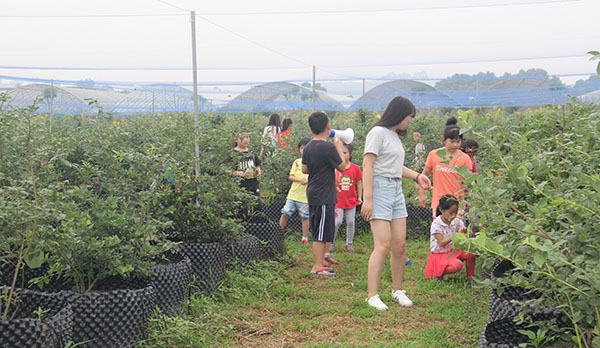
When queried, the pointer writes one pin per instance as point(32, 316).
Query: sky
point(250, 42)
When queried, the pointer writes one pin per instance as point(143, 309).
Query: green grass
point(281, 304)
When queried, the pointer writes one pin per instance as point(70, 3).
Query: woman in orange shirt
point(446, 179)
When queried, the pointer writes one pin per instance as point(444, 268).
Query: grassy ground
point(281, 304)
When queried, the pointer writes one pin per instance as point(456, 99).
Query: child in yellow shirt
point(296, 198)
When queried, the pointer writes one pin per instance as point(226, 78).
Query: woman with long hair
point(383, 200)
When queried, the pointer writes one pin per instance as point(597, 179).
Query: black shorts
point(322, 222)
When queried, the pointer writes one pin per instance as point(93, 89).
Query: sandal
point(324, 272)
point(331, 260)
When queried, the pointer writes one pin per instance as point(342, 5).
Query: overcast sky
point(258, 40)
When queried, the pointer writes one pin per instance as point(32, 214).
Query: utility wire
point(96, 16)
point(521, 3)
point(173, 5)
point(179, 68)
point(289, 12)
point(254, 42)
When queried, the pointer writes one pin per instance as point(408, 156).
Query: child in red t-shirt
point(349, 196)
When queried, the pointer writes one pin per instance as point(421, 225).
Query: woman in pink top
point(442, 163)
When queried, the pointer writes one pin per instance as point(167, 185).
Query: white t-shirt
point(387, 146)
point(419, 152)
point(438, 226)
point(270, 135)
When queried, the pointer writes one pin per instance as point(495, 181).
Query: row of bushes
point(539, 208)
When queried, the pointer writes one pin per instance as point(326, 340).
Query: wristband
point(416, 179)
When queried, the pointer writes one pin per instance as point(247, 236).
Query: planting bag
point(501, 334)
point(114, 318)
point(170, 282)
point(208, 264)
point(245, 250)
point(54, 330)
point(502, 306)
point(269, 233)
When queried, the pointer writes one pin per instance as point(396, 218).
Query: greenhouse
point(523, 92)
point(66, 100)
point(278, 96)
point(159, 98)
point(422, 95)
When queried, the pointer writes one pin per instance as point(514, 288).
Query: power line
point(383, 10)
point(173, 5)
point(179, 68)
point(96, 15)
point(424, 8)
point(254, 42)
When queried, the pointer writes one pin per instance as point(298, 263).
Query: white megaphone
point(346, 135)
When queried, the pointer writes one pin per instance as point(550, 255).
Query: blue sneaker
point(409, 262)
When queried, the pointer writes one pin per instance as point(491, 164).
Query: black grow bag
point(418, 222)
point(208, 262)
point(245, 250)
point(270, 235)
point(501, 269)
point(170, 282)
point(503, 306)
point(502, 333)
point(273, 213)
point(112, 318)
point(26, 331)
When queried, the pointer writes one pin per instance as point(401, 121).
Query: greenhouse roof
point(279, 96)
point(522, 92)
point(66, 100)
point(421, 94)
point(159, 98)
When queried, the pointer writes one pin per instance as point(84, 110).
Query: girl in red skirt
point(443, 228)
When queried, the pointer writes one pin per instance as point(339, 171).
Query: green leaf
point(540, 258)
point(480, 240)
point(522, 171)
point(34, 259)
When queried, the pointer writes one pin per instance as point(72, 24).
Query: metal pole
point(51, 103)
point(153, 115)
point(363, 96)
point(195, 71)
point(313, 87)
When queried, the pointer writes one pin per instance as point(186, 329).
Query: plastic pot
point(245, 250)
point(112, 318)
point(269, 233)
point(208, 262)
point(26, 330)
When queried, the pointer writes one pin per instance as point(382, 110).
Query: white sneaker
point(376, 302)
point(400, 297)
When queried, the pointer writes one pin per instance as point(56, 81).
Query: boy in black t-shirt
point(320, 159)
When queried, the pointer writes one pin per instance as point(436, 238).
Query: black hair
point(350, 148)
point(446, 202)
point(397, 110)
point(286, 124)
point(452, 131)
point(469, 143)
point(275, 120)
point(303, 142)
point(239, 134)
point(318, 122)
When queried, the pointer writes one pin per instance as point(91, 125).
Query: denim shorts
point(291, 206)
point(388, 199)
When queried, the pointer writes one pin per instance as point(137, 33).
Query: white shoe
point(376, 302)
point(400, 297)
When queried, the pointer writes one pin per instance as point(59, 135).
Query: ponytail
point(446, 202)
